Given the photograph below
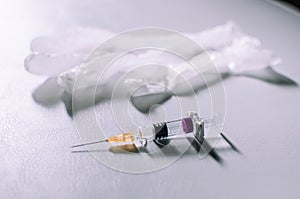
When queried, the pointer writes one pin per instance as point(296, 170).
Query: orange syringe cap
point(124, 137)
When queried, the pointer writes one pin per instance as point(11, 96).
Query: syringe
point(157, 131)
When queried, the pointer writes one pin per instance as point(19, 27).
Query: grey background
point(35, 159)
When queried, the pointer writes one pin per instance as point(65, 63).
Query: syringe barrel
point(165, 129)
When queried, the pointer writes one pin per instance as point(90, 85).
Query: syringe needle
point(89, 143)
point(124, 137)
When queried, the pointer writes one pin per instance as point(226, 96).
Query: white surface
point(35, 160)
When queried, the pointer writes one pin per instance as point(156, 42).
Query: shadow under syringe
point(165, 148)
